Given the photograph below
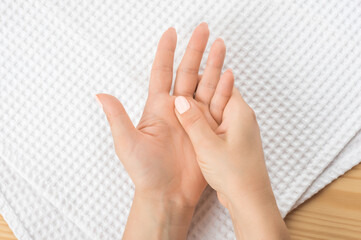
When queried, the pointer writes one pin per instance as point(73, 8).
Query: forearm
point(257, 218)
point(157, 219)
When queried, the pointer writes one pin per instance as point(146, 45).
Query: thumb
point(121, 126)
point(194, 123)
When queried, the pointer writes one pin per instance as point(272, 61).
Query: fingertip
point(229, 74)
point(203, 29)
point(110, 104)
point(169, 39)
point(217, 53)
point(230, 78)
point(222, 95)
point(172, 31)
point(227, 82)
point(220, 41)
point(105, 98)
point(121, 126)
point(98, 100)
point(99, 95)
point(215, 61)
point(204, 25)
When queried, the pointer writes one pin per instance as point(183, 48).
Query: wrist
point(160, 218)
point(173, 210)
point(176, 196)
point(259, 210)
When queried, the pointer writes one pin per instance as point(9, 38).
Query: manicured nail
point(181, 104)
point(97, 98)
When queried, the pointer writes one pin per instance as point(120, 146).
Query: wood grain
point(5, 232)
point(333, 213)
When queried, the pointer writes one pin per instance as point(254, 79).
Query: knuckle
point(247, 113)
point(252, 119)
point(184, 92)
point(207, 84)
point(223, 95)
point(194, 50)
point(193, 121)
point(166, 50)
point(162, 68)
point(114, 118)
point(252, 114)
point(215, 65)
point(187, 70)
point(216, 107)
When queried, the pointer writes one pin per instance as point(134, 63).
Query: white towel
point(297, 63)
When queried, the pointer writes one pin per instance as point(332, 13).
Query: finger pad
point(168, 39)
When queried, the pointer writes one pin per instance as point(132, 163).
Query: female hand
point(231, 160)
point(158, 154)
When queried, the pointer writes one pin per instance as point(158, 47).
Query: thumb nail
point(181, 104)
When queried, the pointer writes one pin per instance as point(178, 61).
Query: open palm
point(158, 154)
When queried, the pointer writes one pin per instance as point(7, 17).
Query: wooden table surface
point(333, 213)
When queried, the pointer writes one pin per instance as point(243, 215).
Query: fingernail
point(219, 39)
point(173, 28)
point(203, 23)
point(98, 100)
point(181, 104)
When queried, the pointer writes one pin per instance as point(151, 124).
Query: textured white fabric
point(29, 214)
point(297, 63)
point(349, 156)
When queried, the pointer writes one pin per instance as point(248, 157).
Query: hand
point(231, 156)
point(231, 160)
point(158, 154)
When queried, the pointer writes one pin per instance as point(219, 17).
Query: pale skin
point(166, 155)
